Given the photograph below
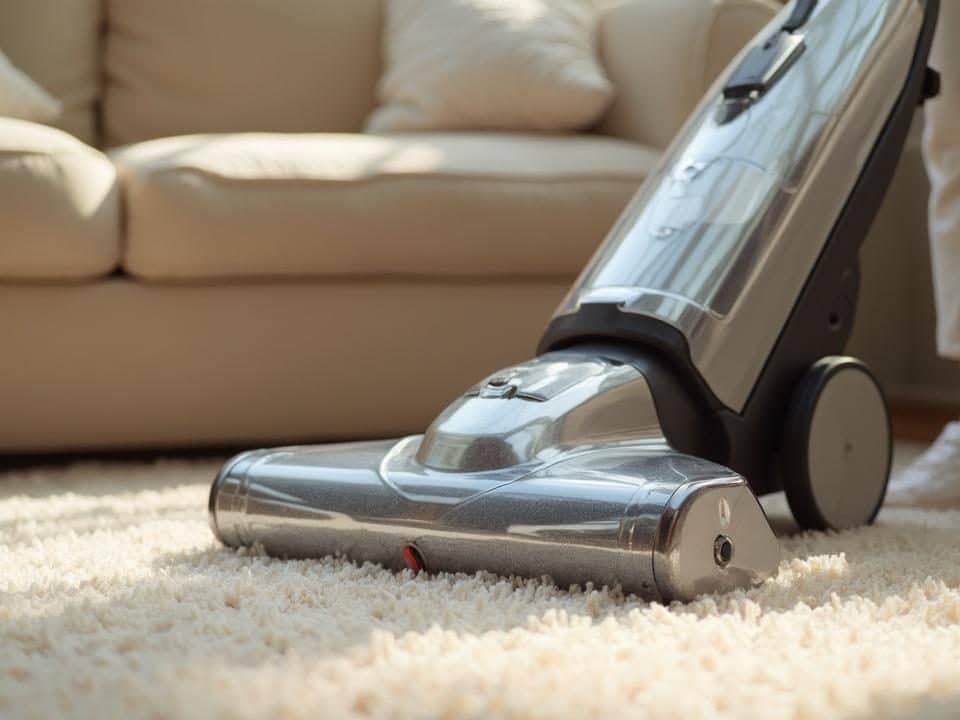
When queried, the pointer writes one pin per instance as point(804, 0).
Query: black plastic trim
point(802, 11)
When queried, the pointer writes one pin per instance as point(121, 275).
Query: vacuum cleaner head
point(700, 349)
point(555, 467)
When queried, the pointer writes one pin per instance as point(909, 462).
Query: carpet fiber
point(115, 601)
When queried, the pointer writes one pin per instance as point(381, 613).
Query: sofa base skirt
point(123, 365)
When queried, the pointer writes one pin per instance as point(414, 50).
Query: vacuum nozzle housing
point(555, 467)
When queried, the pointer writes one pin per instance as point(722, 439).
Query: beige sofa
point(237, 263)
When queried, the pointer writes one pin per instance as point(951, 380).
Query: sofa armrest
point(59, 206)
point(662, 55)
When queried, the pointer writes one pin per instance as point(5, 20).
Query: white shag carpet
point(116, 601)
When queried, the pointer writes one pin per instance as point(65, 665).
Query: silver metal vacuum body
point(699, 349)
point(558, 468)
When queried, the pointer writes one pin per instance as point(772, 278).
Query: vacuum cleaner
point(695, 364)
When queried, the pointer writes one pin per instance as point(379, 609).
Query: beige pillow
point(490, 65)
point(22, 98)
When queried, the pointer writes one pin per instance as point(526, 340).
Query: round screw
point(722, 550)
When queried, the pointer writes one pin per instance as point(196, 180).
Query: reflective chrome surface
point(536, 410)
point(556, 467)
point(721, 239)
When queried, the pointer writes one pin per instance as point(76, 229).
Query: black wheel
point(837, 446)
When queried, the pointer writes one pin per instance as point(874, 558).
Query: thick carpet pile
point(115, 601)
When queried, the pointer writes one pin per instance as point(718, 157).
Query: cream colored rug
point(115, 601)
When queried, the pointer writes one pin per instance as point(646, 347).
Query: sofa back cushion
point(56, 43)
point(175, 67)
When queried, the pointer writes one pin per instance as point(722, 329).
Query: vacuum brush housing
point(695, 364)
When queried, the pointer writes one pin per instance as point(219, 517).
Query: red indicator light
point(412, 557)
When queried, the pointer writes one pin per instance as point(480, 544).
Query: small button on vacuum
point(499, 386)
point(412, 558)
point(763, 66)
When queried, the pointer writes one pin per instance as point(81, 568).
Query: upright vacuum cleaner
point(694, 365)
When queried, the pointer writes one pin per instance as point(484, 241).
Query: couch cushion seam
point(460, 177)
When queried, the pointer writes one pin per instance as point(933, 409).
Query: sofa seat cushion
point(420, 205)
point(59, 215)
